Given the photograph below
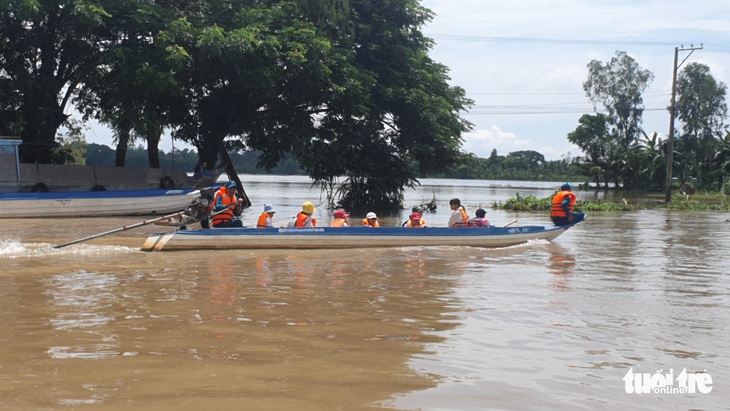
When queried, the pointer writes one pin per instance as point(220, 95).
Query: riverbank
point(703, 201)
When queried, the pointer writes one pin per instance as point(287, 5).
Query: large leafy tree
point(701, 108)
point(617, 86)
point(347, 87)
point(249, 70)
point(133, 89)
point(48, 49)
point(395, 118)
point(350, 91)
point(603, 156)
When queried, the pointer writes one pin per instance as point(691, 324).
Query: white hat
point(269, 208)
point(370, 215)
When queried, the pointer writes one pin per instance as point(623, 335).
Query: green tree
point(355, 97)
point(528, 159)
point(701, 109)
point(99, 155)
point(646, 163)
point(617, 86)
point(252, 72)
point(594, 138)
point(135, 90)
point(48, 50)
point(396, 119)
point(721, 159)
point(71, 149)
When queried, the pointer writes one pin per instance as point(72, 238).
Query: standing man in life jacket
point(265, 219)
point(562, 212)
point(228, 205)
point(459, 217)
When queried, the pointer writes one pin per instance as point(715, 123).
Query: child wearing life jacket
point(340, 219)
point(459, 217)
point(415, 221)
point(370, 220)
point(480, 220)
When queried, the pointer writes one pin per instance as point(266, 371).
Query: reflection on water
point(561, 264)
point(81, 299)
point(537, 326)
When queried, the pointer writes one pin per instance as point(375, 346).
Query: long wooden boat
point(95, 203)
point(352, 237)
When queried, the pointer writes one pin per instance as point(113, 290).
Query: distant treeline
point(186, 159)
point(520, 165)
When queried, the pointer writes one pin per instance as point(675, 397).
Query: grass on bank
point(704, 201)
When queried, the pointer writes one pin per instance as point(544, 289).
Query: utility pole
point(672, 109)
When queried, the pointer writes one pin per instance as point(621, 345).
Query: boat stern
point(156, 242)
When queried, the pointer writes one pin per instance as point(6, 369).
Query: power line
point(648, 94)
point(526, 94)
point(527, 40)
point(717, 48)
point(535, 110)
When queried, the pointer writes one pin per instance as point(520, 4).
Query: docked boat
point(95, 203)
point(55, 190)
point(352, 237)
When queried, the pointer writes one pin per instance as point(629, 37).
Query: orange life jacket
point(263, 220)
point(557, 209)
point(365, 222)
point(478, 222)
point(464, 218)
point(339, 222)
point(226, 200)
point(305, 220)
point(412, 224)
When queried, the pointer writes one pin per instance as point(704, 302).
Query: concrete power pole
point(672, 110)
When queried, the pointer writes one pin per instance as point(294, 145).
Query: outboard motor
point(199, 209)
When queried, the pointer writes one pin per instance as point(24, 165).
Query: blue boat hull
point(353, 237)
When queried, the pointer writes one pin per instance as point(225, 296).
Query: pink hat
point(341, 214)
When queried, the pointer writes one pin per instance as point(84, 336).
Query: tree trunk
point(42, 117)
point(153, 150)
point(208, 150)
point(122, 144)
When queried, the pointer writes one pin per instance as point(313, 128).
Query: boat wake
point(13, 248)
point(10, 247)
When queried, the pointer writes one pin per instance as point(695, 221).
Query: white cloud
point(482, 142)
point(524, 62)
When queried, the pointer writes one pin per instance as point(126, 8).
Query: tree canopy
point(48, 50)
point(346, 86)
point(618, 85)
point(701, 108)
point(619, 151)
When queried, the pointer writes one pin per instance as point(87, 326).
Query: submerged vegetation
point(703, 201)
point(706, 201)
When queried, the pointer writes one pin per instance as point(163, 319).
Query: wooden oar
point(124, 228)
point(510, 223)
point(140, 224)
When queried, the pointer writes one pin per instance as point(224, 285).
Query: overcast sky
point(524, 62)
